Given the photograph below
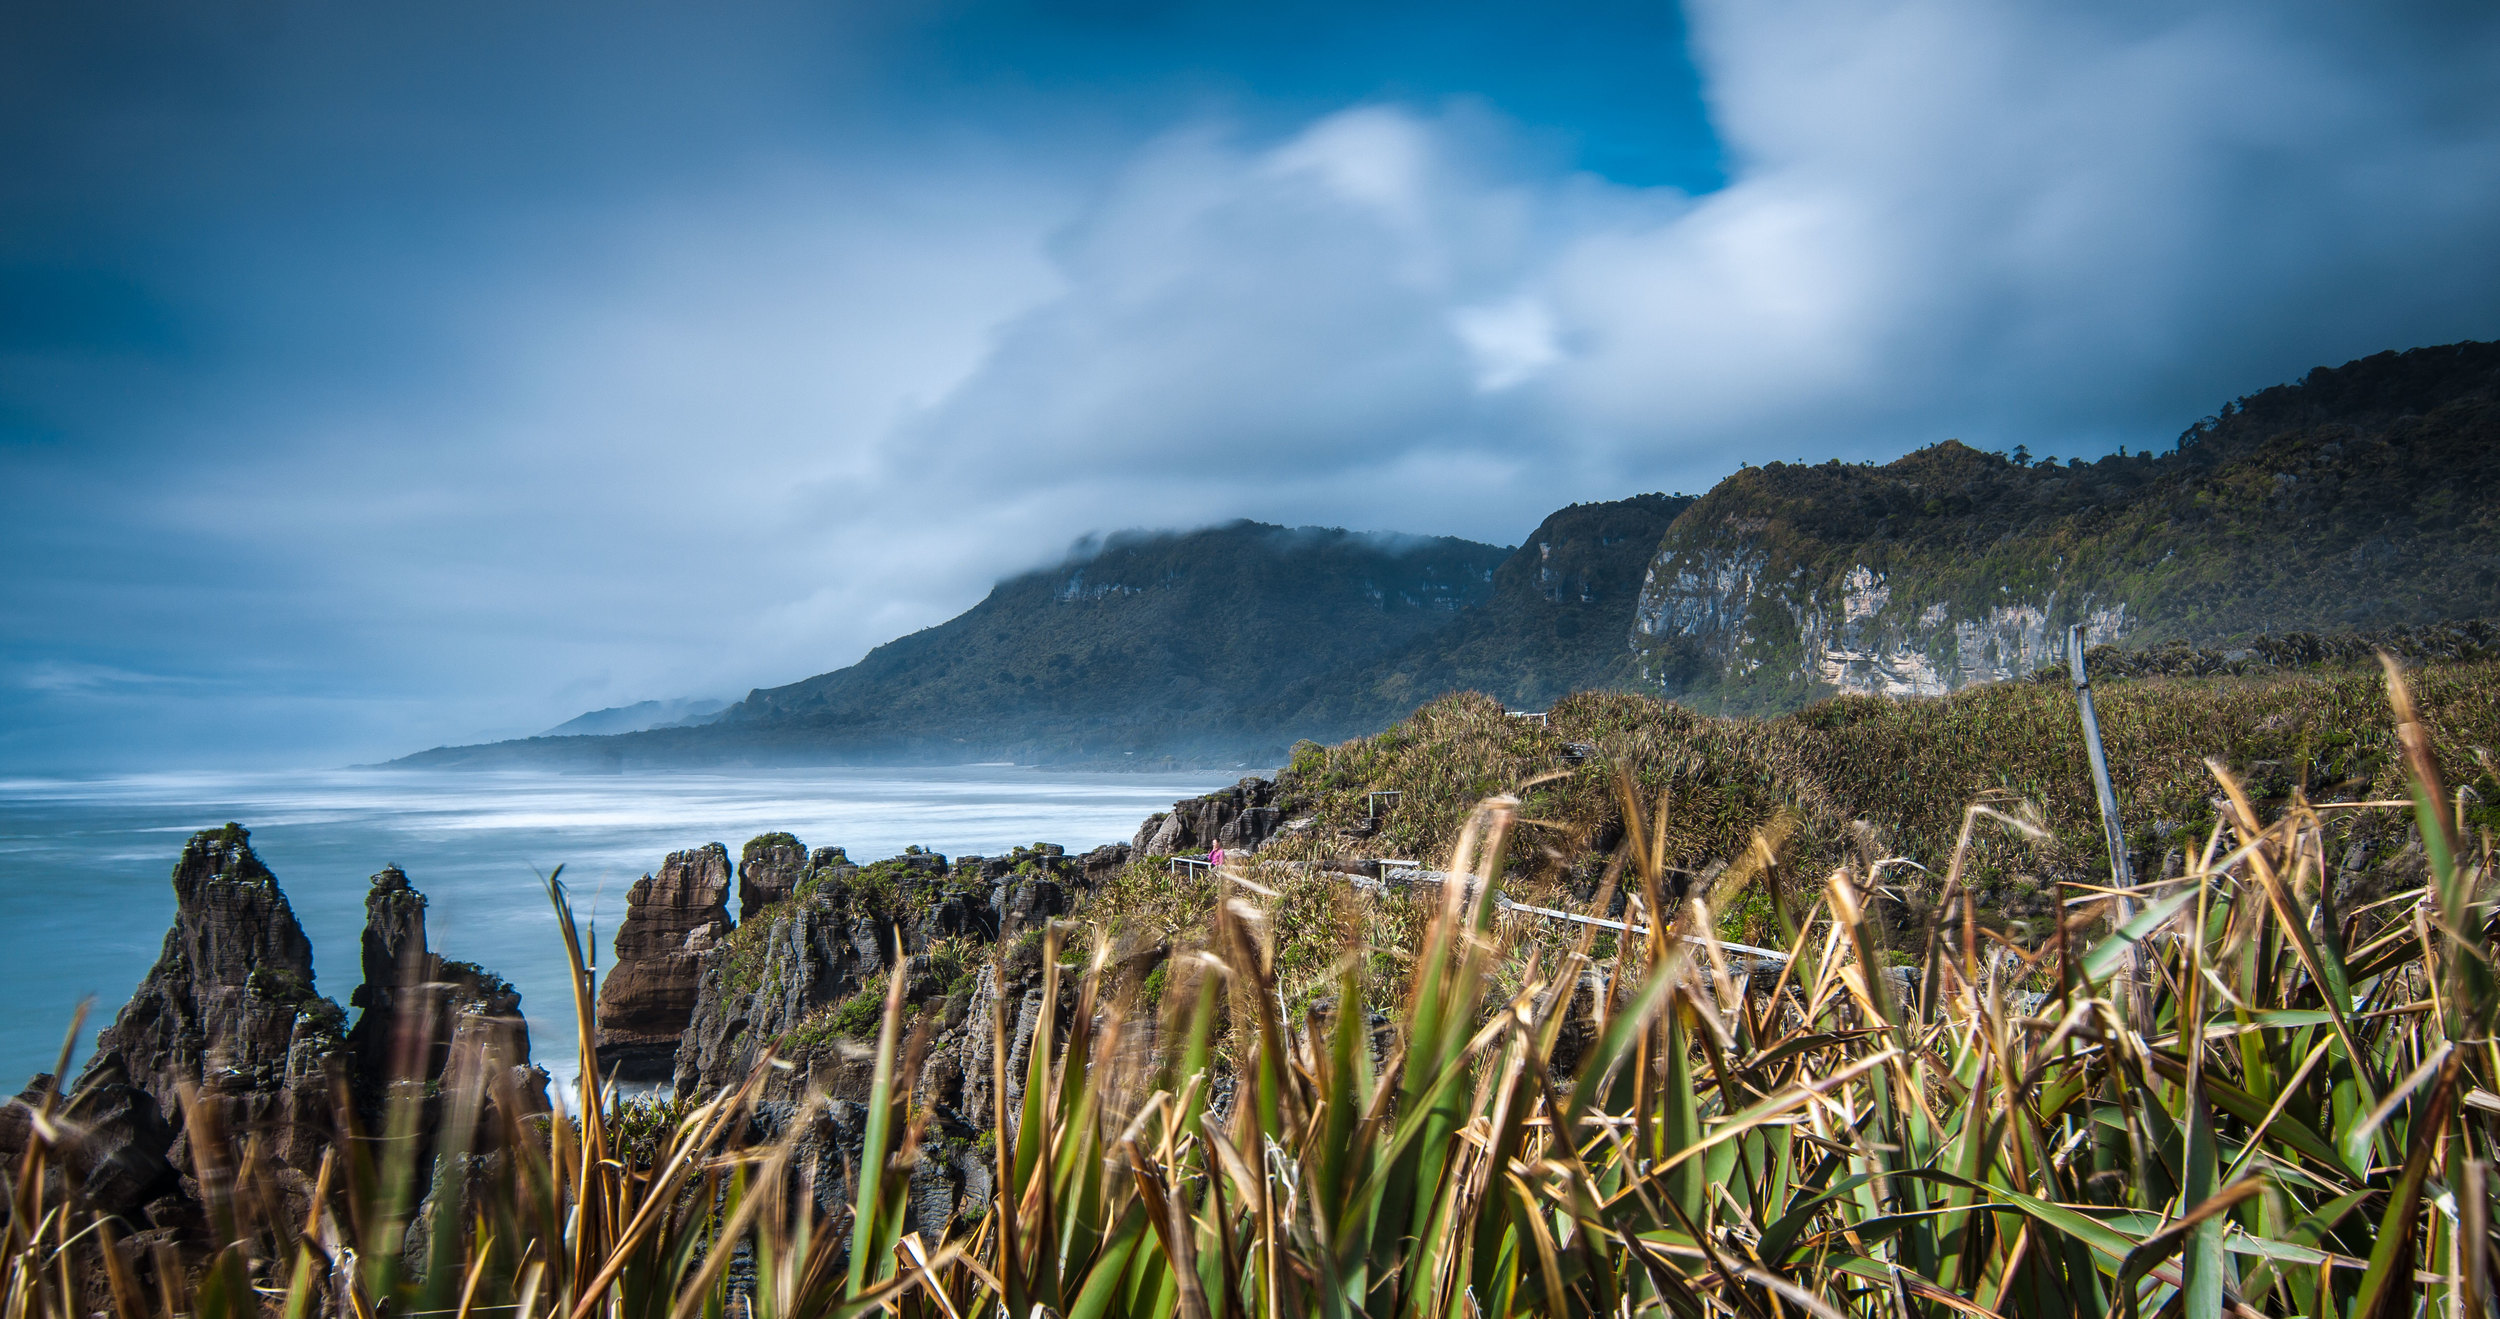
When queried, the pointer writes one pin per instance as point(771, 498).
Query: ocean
point(84, 862)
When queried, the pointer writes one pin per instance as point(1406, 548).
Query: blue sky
point(372, 378)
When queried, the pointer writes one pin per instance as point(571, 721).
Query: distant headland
point(2362, 498)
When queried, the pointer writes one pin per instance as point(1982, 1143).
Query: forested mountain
point(1553, 625)
point(2365, 496)
point(1145, 644)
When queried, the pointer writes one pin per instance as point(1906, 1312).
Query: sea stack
point(769, 870)
point(225, 1047)
point(671, 919)
point(421, 1014)
point(229, 1008)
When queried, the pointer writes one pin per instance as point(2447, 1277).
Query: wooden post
point(2121, 874)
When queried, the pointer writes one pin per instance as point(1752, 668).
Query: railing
point(1184, 865)
point(1602, 923)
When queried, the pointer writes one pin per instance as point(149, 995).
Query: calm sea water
point(84, 863)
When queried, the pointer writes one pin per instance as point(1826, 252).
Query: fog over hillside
point(2364, 497)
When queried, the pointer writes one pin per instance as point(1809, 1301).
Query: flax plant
point(2297, 1116)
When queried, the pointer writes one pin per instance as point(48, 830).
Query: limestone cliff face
point(1714, 614)
point(229, 1010)
point(1239, 818)
point(1868, 645)
point(671, 919)
point(2365, 497)
point(769, 870)
point(807, 976)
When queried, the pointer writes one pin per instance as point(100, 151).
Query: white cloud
point(1235, 310)
point(2021, 224)
point(2039, 220)
point(1512, 342)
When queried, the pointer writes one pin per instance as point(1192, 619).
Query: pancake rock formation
point(671, 919)
point(227, 1048)
point(229, 1011)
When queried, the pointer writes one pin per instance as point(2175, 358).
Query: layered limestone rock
point(769, 870)
point(226, 1048)
point(114, 1146)
point(672, 918)
point(808, 977)
point(425, 1018)
point(226, 1041)
point(228, 1014)
point(1104, 861)
point(1872, 645)
point(1239, 818)
point(395, 962)
point(792, 962)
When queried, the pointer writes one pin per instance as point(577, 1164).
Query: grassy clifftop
point(1865, 778)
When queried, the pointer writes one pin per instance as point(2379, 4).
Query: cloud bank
point(2060, 229)
point(724, 417)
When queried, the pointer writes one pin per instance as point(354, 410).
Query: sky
point(377, 377)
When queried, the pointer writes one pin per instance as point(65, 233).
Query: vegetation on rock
point(1871, 777)
point(2367, 496)
point(1554, 624)
point(2242, 1095)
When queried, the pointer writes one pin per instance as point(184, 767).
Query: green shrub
point(857, 1017)
point(742, 953)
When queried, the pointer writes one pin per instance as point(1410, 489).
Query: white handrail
point(1602, 923)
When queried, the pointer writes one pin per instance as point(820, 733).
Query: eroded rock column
point(229, 1012)
point(671, 919)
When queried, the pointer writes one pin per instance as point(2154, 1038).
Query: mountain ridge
point(1135, 647)
point(638, 716)
point(2364, 496)
point(1552, 626)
